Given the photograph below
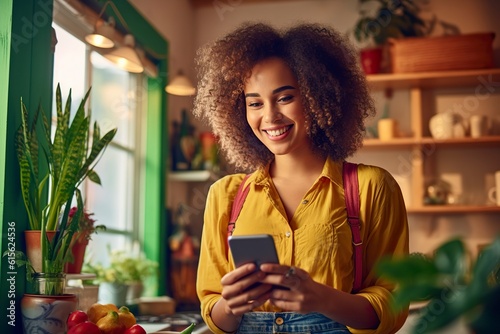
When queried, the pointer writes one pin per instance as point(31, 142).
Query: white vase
point(113, 293)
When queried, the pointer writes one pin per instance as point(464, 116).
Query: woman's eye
point(254, 104)
point(285, 98)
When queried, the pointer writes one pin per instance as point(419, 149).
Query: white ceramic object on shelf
point(447, 125)
point(479, 126)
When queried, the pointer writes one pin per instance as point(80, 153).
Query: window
point(113, 103)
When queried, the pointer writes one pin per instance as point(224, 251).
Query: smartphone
point(256, 248)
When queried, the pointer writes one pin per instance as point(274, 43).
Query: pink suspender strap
point(351, 194)
point(238, 201)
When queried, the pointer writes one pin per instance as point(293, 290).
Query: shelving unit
point(190, 176)
point(418, 84)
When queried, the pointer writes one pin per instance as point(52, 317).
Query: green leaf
point(449, 258)
point(189, 329)
point(407, 270)
point(97, 147)
point(94, 177)
point(404, 295)
point(487, 264)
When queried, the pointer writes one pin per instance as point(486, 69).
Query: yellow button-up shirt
point(317, 239)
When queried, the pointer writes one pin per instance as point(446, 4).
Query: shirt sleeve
point(213, 263)
point(385, 234)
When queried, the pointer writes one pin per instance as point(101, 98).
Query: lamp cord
point(117, 13)
point(124, 23)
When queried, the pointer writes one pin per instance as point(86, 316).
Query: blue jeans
point(289, 322)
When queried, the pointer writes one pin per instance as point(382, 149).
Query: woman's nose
point(272, 115)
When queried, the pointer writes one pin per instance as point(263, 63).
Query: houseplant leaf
point(65, 166)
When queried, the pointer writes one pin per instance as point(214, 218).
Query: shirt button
point(305, 201)
point(288, 234)
point(279, 321)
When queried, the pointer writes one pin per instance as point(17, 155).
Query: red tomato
point(135, 329)
point(85, 327)
point(76, 318)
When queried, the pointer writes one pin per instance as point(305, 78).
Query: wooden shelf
point(454, 209)
point(486, 141)
point(390, 144)
point(434, 79)
point(190, 176)
point(424, 166)
point(461, 142)
point(82, 276)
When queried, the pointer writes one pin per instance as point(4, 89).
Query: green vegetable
point(189, 329)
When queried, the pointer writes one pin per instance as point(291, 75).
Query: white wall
point(187, 29)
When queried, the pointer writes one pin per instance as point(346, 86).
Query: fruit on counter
point(189, 329)
point(126, 317)
point(135, 329)
point(111, 324)
point(85, 327)
point(97, 311)
point(76, 318)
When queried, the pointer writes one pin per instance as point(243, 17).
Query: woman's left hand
point(299, 292)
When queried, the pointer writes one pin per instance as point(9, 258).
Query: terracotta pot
point(46, 314)
point(33, 247)
point(371, 59)
point(78, 250)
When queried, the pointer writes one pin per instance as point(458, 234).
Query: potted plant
point(51, 170)
point(381, 20)
point(80, 239)
point(453, 285)
point(68, 159)
point(123, 279)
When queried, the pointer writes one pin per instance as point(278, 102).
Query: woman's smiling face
point(274, 108)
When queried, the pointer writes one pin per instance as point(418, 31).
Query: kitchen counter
point(175, 323)
point(167, 329)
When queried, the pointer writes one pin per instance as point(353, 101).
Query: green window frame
point(26, 62)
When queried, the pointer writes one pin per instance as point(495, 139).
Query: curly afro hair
point(334, 92)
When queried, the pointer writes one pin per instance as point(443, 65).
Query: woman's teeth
point(277, 132)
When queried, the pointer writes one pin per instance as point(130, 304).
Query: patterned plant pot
point(46, 314)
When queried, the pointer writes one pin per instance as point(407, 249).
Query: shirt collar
point(331, 169)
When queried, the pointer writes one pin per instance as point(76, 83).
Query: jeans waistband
point(289, 322)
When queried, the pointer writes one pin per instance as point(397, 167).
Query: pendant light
point(126, 57)
point(103, 35)
point(180, 85)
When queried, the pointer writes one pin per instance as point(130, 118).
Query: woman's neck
point(293, 166)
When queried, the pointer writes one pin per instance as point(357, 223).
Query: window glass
point(113, 99)
point(113, 105)
point(111, 201)
point(70, 66)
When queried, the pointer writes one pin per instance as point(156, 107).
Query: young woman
point(289, 107)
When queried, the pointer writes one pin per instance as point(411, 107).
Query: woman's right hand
point(242, 291)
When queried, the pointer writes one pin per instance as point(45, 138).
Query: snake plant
point(57, 164)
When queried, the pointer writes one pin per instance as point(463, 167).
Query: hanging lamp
point(126, 57)
point(180, 85)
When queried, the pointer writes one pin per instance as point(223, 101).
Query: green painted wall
point(26, 66)
point(25, 71)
